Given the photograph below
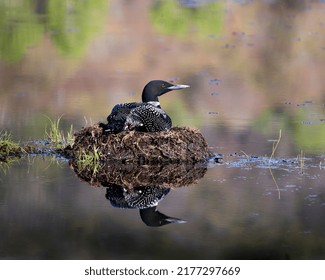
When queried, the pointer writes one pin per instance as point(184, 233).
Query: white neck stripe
point(154, 103)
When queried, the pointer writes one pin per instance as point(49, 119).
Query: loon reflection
point(141, 187)
point(145, 199)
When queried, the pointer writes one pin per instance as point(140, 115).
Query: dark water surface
point(256, 69)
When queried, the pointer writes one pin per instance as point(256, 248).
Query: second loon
point(146, 116)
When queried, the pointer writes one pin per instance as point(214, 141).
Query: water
point(255, 69)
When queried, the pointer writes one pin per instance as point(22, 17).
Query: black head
point(156, 88)
point(153, 218)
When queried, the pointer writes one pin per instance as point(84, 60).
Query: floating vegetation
point(9, 148)
point(10, 151)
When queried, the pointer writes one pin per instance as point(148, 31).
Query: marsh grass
point(91, 159)
point(275, 145)
point(246, 155)
point(5, 165)
point(56, 136)
point(10, 151)
point(8, 147)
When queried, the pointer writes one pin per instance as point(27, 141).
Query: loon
point(144, 198)
point(146, 116)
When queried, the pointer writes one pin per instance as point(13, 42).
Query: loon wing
point(116, 119)
point(120, 111)
point(148, 118)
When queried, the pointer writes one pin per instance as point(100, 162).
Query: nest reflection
point(141, 186)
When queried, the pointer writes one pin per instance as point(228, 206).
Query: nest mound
point(178, 145)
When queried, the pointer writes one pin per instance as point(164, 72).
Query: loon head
point(153, 218)
point(156, 88)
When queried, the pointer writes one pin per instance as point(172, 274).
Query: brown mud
point(178, 145)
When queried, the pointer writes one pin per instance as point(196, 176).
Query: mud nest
point(178, 145)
